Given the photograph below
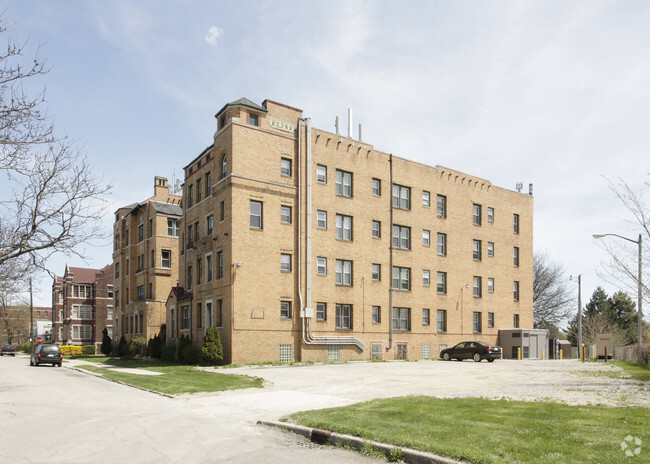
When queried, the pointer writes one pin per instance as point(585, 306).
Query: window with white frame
point(285, 167)
point(376, 314)
point(83, 312)
point(321, 265)
point(81, 332)
point(343, 316)
point(490, 319)
point(441, 206)
point(376, 229)
point(476, 250)
point(401, 197)
point(442, 320)
point(401, 319)
point(82, 291)
point(285, 214)
point(442, 282)
point(477, 326)
point(321, 174)
point(285, 262)
point(343, 227)
point(321, 219)
point(426, 238)
point(343, 272)
point(426, 198)
point(442, 244)
point(255, 214)
point(109, 312)
point(401, 278)
point(343, 183)
point(490, 285)
point(376, 272)
point(426, 317)
point(490, 214)
point(476, 289)
point(321, 311)
point(476, 214)
point(426, 277)
point(401, 237)
point(285, 309)
point(490, 249)
point(376, 187)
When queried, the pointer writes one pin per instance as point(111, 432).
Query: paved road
point(58, 415)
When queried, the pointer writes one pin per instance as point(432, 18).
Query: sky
point(551, 93)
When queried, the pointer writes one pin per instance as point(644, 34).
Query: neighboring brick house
point(145, 260)
point(43, 321)
point(302, 244)
point(82, 303)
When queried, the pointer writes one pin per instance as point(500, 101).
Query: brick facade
point(280, 262)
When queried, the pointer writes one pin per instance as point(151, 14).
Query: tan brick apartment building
point(145, 261)
point(82, 305)
point(298, 241)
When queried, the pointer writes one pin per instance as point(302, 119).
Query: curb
point(94, 374)
point(411, 456)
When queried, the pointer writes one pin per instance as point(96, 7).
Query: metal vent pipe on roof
point(350, 122)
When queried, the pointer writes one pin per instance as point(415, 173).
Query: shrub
point(123, 347)
point(183, 342)
point(155, 347)
point(72, 350)
point(89, 349)
point(107, 343)
point(211, 350)
point(170, 352)
point(192, 355)
point(137, 346)
point(645, 352)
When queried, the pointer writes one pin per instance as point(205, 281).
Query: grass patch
point(487, 431)
point(175, 379)
point(634, 370)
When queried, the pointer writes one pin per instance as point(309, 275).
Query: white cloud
point(213, 35)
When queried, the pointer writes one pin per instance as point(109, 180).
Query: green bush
point(192, 355)
point(123, 347)
point(211, 350)
point(183, 343)
point(107, 343)
point(170, 352)
point(155, 347)
point(137, 347)
point(89, 349)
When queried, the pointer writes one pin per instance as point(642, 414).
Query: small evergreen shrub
point(137, 347)
point(170, 352)
point(211, 349)
point(123, 347)
point(107, 343)
point(89, 349)
point(155, 347)
point(183, 342)
point(192, 355)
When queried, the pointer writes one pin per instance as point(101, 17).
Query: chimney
point(160, 187)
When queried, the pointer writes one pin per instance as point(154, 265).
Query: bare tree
point(621, 270)
point(552, 300)
point(14, 313)
point(56, 201)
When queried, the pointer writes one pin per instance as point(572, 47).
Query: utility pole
point(31, 314)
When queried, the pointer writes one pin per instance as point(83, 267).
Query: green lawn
point(635, 371)
point(175, 378)
point(486, 431)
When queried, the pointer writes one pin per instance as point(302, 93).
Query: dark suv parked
point(46, 354)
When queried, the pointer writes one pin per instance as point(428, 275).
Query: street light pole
point(639, 353)
point(579, 314)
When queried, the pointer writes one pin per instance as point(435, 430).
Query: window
point(285, 353)
point(199, 271)
point(401, 237)
point(490, 249)
point(150, 228)
point(442, 282)
point(476, 250)
point(426, 317)
point(426, 198)
point(442, 320)
point(516, 290)
point(285, 262)
point(376, 314)
point(219, 315)
point(219, 264)
point(117, 298)
point(188, 278)
point(321, 174)
point(490, 319)
point(376, 272)
point(196, 231)
point(256, 214)
point(490, 284)
point(477, 322)
point(401, 197)
point(515, 256)
point(285, 214)
point(109, 289)
point(140, 292)
point(117, 272)
point(401, 278)
point(321, 219)
point(442, 244)
point(426, 238)
point(127, 266)
point(401, 318)
point(376, 187)
point(321, 311)
point(172, 318)
point(84, 312)
point(224, 166)
point(81, 332)
point(208, 185)
point(253, 119)
point(209, 225)
point(343, 272)
point(81, 291)
point(222, 122)
point(344, 227)
point(285, 309)
point(209, 317)
point(185, 318)
point(208, 268)
point(442, 206)
point(515, 321)
point(343, 316)
point(343, 183)
point(426, 277)
point(515, 218)
point(199, 315)
point(190, 195)
point(321, 266)
point(490, 214)
point(222, 211)
point(198, 190)
point(376, 229)
point(476, 214)
point(285, 167)
point(476, 290)
point(140, 232)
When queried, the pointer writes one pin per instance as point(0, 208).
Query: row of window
point(165, 262)
point(205, 274)
point(208, 314)
point(172, 230)
point(194, 192)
